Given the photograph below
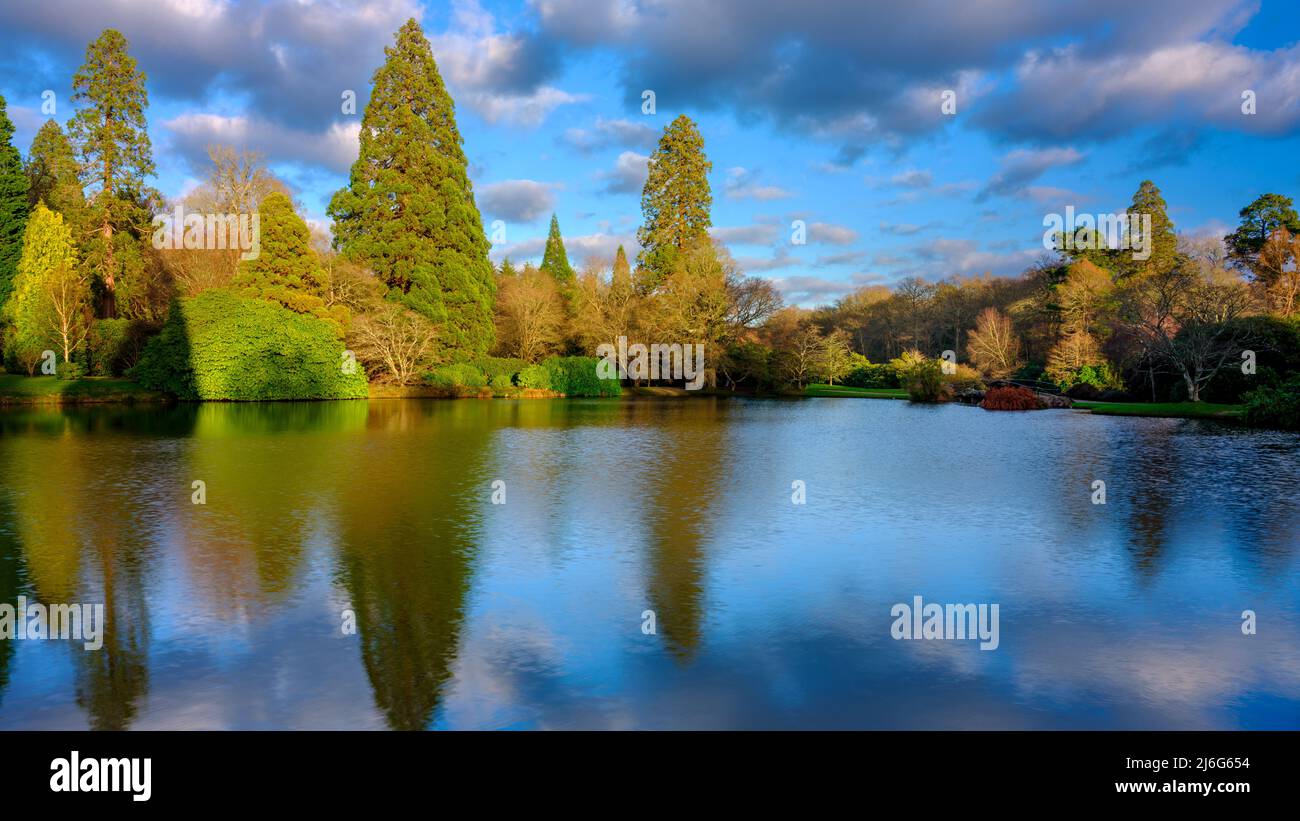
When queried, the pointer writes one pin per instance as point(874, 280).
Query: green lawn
point(28, 390)
point(864, 393)
point(1173, 410)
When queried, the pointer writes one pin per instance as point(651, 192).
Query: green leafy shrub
point(1276, 406)
point(921, 377)
point(459, 374)
point(870, 375)
point(1100, 376)
point(218, 345)
point(500, 371)
point(113, 346)
point(576, 376)
point(536, 377)
point(71, 371)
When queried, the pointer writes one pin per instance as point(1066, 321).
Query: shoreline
point(17, 391)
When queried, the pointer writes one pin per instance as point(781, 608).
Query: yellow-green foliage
point(47, 247)
point(286, 270)
point(219, 345)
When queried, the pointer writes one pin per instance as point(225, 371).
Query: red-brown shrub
point(1012, 398)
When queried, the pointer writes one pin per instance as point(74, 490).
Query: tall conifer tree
point(52, 173)
point(621, 277)
point(676, 201)
point(14, 206)
point(408, 210)
point(554, 259)
point(112, 144)
point(1163, 242)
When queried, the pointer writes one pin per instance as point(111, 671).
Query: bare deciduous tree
point(393, 342)
point(993, 345)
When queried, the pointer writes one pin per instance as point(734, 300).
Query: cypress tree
point(112, 144)
point(287, 269)
point(408, 211)
point(621, 276)
point(554, 259)
point(52, 173)
point(675, 202)
point(14, 206)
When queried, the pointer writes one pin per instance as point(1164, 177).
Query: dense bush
point(576, 376)
point(1275, 406)
point(1276, 343)
point(461, 374)
point(1117, 396)
point(500, 372)
point(1011, 398)
point(71, 371)
point(1083, 390)
point(963, 378)
point(1101, 377)
point(872, 375)
point(222, 346)
point(923, 379)
point(536, 377)
point(114, 345)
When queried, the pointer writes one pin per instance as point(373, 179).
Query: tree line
point(405, 284)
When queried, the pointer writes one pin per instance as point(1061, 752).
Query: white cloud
point(523, 200)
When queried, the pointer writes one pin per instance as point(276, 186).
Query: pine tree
point(286, 269)
point(508, 270)
point(675, 201)
point(554, 259)
point(112, 144)
point(1259, 221)
point(408, 211)
point(52, 173)
point(13, 205)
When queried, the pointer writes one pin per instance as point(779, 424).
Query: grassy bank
point(41, 390)
point(862, 393)
point(1169, 410)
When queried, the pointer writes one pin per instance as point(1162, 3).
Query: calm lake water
point(529, 614)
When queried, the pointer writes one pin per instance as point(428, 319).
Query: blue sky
point(826, 111)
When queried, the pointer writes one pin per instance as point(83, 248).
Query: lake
point(647, 566)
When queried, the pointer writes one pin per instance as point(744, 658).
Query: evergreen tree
point(675, 201)
point(1163, 242)
point(112, 144)
point(621, 276)
point(508, 270)
point(554, 259)
point(1258, 222)
point(13, 205)
point(408, 211)
point(52, 173)
point(287, 269)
